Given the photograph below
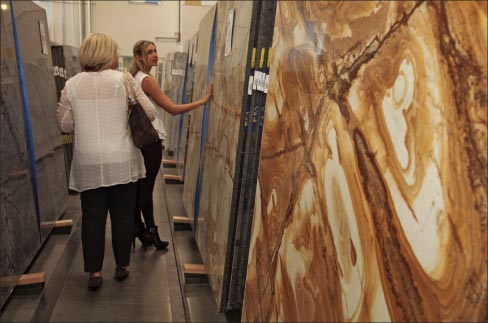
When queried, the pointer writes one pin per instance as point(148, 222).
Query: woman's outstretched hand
point(209, 94)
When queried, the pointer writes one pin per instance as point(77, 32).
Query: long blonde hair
point(97, 52)
point(140, 48)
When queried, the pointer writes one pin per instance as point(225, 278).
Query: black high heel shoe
point(140, 233)
point(152, 237)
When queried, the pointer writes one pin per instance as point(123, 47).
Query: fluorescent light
point(4, 6)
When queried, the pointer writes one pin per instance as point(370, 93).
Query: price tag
point(249, 87)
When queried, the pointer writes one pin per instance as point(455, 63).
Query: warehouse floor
point(155, 291)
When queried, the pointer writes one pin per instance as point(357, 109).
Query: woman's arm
point(64, 113)
point(151, 88)
point(141, 97)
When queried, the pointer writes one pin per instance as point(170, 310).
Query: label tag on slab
point(250, 85)
point(178, 71)
point(230, 26)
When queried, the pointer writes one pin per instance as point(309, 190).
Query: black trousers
point(153, 155)
point(119, 200)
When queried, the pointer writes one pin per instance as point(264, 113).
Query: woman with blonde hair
point(145, 57)
point(106, 164)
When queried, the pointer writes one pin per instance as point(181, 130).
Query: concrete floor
point(155, 291)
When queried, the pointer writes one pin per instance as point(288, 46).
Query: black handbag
point(142, 131)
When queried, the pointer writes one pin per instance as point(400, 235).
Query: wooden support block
point(169, 163)
point(30, 284)
point(173, 179)
point(195, 274)
point(181, 223)
point(32, 279)
point(61, 226)
point(194, 269)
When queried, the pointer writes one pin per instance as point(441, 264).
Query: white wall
point(68, 21)
point(128, 23)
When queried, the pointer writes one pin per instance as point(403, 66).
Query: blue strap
point(204, 124)
point(27, 121)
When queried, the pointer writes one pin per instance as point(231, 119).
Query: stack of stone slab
point(223, 145)
point(65, 65)
point(173, 88)
point(184, 121)
point(23, 230)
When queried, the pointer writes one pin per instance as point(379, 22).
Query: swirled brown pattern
point(371, 203)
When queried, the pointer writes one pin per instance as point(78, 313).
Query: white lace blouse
point(94, 105)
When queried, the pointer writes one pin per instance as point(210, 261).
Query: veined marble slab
point(195, 127)
point(371, 203)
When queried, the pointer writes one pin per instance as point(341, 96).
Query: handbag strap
point(129, 89)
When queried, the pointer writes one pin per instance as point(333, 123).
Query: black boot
point(152, 237)
point(140, 233)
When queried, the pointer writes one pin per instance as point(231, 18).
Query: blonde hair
point(140, 48)
point(97, 52)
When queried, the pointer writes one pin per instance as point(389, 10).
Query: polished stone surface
point(19, 232)
point(371, 203)
point(195, 127)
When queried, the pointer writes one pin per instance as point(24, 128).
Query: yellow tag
point(269, 56)
point(261, 61)
point(253, 60)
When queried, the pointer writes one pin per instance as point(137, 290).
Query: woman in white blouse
point(106, 164)
point(145, 57)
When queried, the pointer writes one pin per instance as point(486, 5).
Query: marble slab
point(41, 92)
point(19, 231)
point(247, 161)
point(168, 119)
point(223, 130)
point(176, 95)
point(188, 97)
point(371, 202)
point(195, 127)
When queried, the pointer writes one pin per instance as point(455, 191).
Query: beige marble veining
point(371, 203)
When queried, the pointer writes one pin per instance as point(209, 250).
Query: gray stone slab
point(41, 92)
point(19, 232)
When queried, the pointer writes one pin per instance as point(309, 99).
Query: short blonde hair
point(140, 48)
point(97, 52)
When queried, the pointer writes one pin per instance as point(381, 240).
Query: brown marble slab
point(371, 203)
point(195, 127)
